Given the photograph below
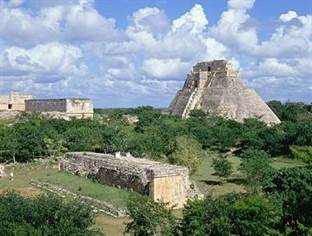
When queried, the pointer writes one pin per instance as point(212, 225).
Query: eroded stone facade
point(164, 182)
point(215, 88)
point(15, 101)
point(62, 108)
point(2, 172)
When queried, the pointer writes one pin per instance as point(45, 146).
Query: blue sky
point(263, 10)
point(124, 53)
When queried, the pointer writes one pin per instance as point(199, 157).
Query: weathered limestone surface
point(131, 119)
point(2, 172)
point(168, 183)
point(215, 87)
point(15, 101)
point(62, 108)
point(8, 115)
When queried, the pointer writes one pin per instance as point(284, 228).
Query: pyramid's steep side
point(179, 102)
point(220, 92)
point(229, 98)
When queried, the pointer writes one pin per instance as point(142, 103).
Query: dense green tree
point(298, 133)
point(83, 139)
point(232, 214)
point(187, 152)
point(154, 136)
point(55, 144)
point(222, 166)
point(292, 188)
point(149, 218)
point(291, 111)
point(8, 144)
point(255, 168)
point(250, 136)
point(277, 107)
point(198, 115)
point(302, 153)
point(43, 215)
point(147, 116)
point(30, 140)
point(255, 216)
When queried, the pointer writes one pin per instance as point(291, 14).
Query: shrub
point(232, 214)
point(188, 152)
point(255, 168)
point(292, 188)
point(222, 166)
point(43, 215)
point(149, 218)
point(302, 153)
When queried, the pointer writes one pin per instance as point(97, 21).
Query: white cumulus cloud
point(288, 16)
point(165, 68)
point(241, 4)
point(47, 63)
point(56, 48)
point(194, 21)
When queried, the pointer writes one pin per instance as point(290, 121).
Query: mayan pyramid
point(215, 88)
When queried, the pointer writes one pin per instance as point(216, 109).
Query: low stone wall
point(8, 115)
point(96, 205)
point(168, 183)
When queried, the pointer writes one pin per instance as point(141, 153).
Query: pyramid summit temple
point(215, 87)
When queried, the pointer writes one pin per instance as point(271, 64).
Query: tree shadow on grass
point(211, 182)
point(236, 181)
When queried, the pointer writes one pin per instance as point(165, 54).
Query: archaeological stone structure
point(61, 108)
point(164, 182)
point(215, 88)
point(15, 101)
point(2, 172)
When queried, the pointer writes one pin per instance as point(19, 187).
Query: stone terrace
point(165, 182)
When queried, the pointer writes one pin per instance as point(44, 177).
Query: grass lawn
point(85, 187)
point(282, 162)
point(211, 184)
point(111, 226)
point(206, 180)
point(23, 174)
point(49, 173)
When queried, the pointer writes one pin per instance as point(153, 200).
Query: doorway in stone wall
point(195, 83)
point(10, 106)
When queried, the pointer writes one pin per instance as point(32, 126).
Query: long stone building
point(168, 183)
point(15, 101)
point(63, 108)
point(215, 88)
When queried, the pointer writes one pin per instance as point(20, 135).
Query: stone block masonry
point(65, 107)
point(215, 88)
point(163, 182)
point(15, 101)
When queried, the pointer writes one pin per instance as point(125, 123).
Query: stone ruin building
point(168, 183)
point(215, 88)
point(15, 101)
point(61, 108)
point(2, 172)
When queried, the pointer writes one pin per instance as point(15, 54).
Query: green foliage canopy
point(43, 215)
point(188, 152)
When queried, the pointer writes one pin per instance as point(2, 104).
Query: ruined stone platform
point(164, 182)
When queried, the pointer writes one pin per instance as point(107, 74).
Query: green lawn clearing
point(211, 184)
